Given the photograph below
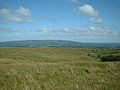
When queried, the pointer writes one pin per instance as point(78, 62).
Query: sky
point(74, 20)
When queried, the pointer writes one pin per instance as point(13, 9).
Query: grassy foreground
point(56, 69)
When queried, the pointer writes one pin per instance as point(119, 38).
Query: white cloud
point(4, 12)
point(23, 11)
point(30, 21)
point(93, 31)
point(102, 31)
point(54, 30)
point(88, 10)
point(66, 29)
point(7, 15)
point(14, 19)
point(96, 20)
point(98, 31)
point(42, 30)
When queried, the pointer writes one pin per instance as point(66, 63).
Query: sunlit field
point(58, 69)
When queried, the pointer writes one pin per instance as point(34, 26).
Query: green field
point(58, 69)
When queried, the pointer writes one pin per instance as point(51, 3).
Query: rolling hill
point(57, 43)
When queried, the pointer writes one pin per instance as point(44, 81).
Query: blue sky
point(76, 20)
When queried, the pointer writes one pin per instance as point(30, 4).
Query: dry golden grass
point(56, 69)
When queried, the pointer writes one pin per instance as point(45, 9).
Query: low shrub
point(110, 58)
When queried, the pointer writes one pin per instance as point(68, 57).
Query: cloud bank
point(98, 31)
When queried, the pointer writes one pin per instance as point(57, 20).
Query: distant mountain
point(57, 43)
